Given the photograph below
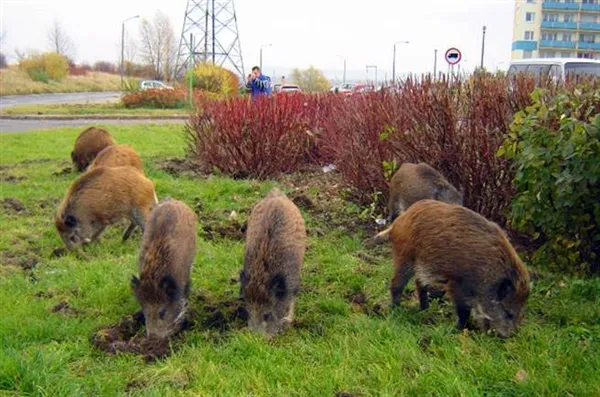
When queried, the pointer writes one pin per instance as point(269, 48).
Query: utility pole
point(483, 46)
point(344, 75)
point(394, 62)
point(435, 64)
point(123, 46)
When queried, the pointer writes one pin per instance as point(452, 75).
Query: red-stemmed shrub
point(258, 138)
point(156, 99)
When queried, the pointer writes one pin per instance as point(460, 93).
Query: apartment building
point(556, 29)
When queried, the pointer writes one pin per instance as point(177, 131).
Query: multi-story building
point(556, 29)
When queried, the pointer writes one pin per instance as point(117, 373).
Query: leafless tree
point(158, 45)
point(59, 41)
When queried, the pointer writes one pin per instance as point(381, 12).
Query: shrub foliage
point(155, 99)
point(555, 147)
point(44, 67)
point(211, 78)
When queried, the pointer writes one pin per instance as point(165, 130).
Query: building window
point(549, 36)
point(567, 37)
point(569, 18)
point(565, 54)
point(529, 35)
point(531, 1)
point(527, 54)
point(587, 38)
point(585, 55)
point(569, 1)
point(588, 18)
point(550, 17)
point(548, 54)
point(589, 1)
point(529, 16)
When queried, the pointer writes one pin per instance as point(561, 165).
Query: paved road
point(29, 125)
point(49, 99)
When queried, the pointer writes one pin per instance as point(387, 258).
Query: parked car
point(289, 88)
point(154, 85)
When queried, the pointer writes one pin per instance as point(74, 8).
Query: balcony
point(555, 5)
point(589, 26)
point(584, 45)
point(590, 7)
point(524, 45)
point(556, 44)
point(559, 25)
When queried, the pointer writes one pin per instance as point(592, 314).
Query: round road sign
point(453, 56)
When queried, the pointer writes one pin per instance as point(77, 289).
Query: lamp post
point(261, 51)
point(344, 75)
point(483, 46)
point(435, 63)
point(394, 62)
point(123, 45)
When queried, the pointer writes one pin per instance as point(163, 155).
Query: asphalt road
point(50, 99)
point(30, 125)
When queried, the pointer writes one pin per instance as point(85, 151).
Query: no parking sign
point(453, 56)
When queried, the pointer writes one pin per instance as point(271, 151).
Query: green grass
point(82, 110)
point(336, 347)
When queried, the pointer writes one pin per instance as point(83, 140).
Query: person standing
point(258, 83)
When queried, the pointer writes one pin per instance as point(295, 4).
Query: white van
point(556, 68)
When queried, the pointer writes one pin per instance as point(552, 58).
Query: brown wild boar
point(118, 156)
point(101, 197)
point(165, 262)
point(411, 183)
point(87, 146)
point(274, 253)
point(451, 247)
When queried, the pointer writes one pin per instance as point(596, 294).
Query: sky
point(302, 32)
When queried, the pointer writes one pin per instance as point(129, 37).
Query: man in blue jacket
point(258, 83)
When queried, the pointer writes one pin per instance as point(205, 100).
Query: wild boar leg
point(402, 274)
point(423, 296)
point(129, 231)
point(461, 296)
point(98, 233)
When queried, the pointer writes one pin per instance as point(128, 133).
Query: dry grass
point(15, 82)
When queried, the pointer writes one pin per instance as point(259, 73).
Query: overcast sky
point(303, 32)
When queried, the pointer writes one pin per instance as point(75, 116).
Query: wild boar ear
point(504, 288)
point(70, 221)
point(244, 279)
point(277, 286)
point(135, 283)
point(169, 286)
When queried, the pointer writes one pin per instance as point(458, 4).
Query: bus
point(556, 68)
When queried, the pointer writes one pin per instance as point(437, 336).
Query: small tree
point(215, 79)
point(159, 46)
point(311, 79)
point(59, 41)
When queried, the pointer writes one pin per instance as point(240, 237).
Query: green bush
point(555, 147)
point(44, 67)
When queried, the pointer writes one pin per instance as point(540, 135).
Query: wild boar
point(165, 262)
point(87, 146)
point(451, 247)
point(102, 197)
point(411, 183)
point(117, 156)
point(274, 253)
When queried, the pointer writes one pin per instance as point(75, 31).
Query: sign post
point(453, 57)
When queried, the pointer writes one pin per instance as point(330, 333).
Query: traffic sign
point(453, 56)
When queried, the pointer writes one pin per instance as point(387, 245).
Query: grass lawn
point(14, 81)
point(345, 340)
point(90, 109)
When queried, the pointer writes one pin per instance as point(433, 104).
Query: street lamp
point(373, 67)
point(123, 45)
point(483, 46)
point(394, 63)
point(261, 48)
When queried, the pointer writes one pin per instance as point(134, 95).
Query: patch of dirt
point(36, 161)
point(178, 167)
point(45, 294)
point(219, 316)
point(233, 230)
point(63, 307)
point(359, 302)
point(59, 252)
point(14, 206)
point(63, 172)
point(49, 203)
point(322, 195)
point(25, 261)
point(11, 179)
point(126, 336)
